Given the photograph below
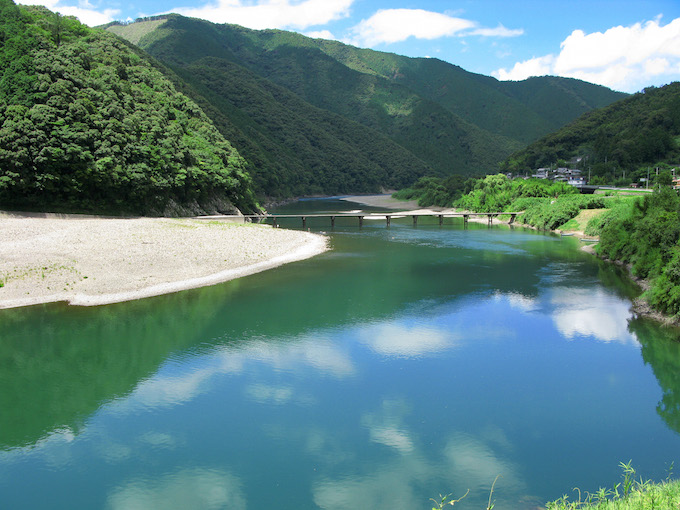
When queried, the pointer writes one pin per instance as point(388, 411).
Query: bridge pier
point(415, 220)
point(332, 221)
point(512, 219)
point(387, 219)
point(361, 221)
point(304, 221)
point(466, 217)
point(441, 220)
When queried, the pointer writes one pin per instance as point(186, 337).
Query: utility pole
point(647, 182)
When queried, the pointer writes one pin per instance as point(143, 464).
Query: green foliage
point(549, 214)
point(94, 126)
point(440, 192)
point(447, 500)
point(317, 116)
point(498, 193)
point(617, 143)
point(647, 238)
point(617, 207)
point(631, 494)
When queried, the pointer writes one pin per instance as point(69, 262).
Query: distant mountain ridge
point(315, 116)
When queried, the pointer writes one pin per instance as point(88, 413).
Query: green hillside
point(443, 119)
point(522, 111)
point(629, 136)
point(89, 123)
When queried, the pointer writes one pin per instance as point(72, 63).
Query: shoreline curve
point(92, 261)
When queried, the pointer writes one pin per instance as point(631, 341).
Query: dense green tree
point(89, 123)
point(647, 238)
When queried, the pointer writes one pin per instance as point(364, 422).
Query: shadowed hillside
point(433, 117)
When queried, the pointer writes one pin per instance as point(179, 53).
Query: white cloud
point(622, 58)
point(499, 31)
point(288, 14)
point(84, 11)
point(395, 25)
point(539, 66)
point(321, 34)
point(389, 26)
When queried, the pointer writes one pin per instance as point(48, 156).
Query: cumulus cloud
point(622, 58)
point(388, 26)
point(261, 14)
point(84, 11)
point(321, 34)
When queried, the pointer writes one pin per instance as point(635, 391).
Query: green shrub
point(647, 236)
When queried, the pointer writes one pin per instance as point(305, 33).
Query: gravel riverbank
point(94, 261)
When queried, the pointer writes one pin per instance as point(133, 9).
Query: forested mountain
point(631, 135)
point(90, 123)
point(306, 111)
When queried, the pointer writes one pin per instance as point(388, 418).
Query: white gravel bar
point(95, 261)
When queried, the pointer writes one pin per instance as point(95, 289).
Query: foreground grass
point(647, 496)
point(630, 494)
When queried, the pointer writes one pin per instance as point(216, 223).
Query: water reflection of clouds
point(465, 461)
point(276, 395)
point(591, 312)
point(316, 351)
point(475, 463)
point(519, 301)
point(386, 427)
point(196, 488)
point(580, 312)
point(407, 340)
point(181, 383)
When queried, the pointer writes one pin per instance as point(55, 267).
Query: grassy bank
point(642, 233)
point(631, 493)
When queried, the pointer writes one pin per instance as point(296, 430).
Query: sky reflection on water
point(405, 364)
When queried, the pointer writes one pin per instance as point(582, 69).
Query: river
point(406, 363)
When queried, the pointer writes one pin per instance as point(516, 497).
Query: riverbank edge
point(639, 307)
point(314, 244)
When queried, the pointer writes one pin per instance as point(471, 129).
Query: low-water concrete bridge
point(387, 216)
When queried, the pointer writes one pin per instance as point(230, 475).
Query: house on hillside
point(569, 175)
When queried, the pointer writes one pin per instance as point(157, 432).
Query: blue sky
point(623, 44)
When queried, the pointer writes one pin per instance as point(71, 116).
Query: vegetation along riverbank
point(632, 493)
point(640, 232)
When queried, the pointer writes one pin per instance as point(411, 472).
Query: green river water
point(404, 363)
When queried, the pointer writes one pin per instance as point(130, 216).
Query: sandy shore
point(95, 261)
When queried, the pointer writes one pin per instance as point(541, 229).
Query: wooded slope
point(421, 116)
point(90, 123)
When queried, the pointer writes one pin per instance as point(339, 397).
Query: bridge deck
point(387, 216)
